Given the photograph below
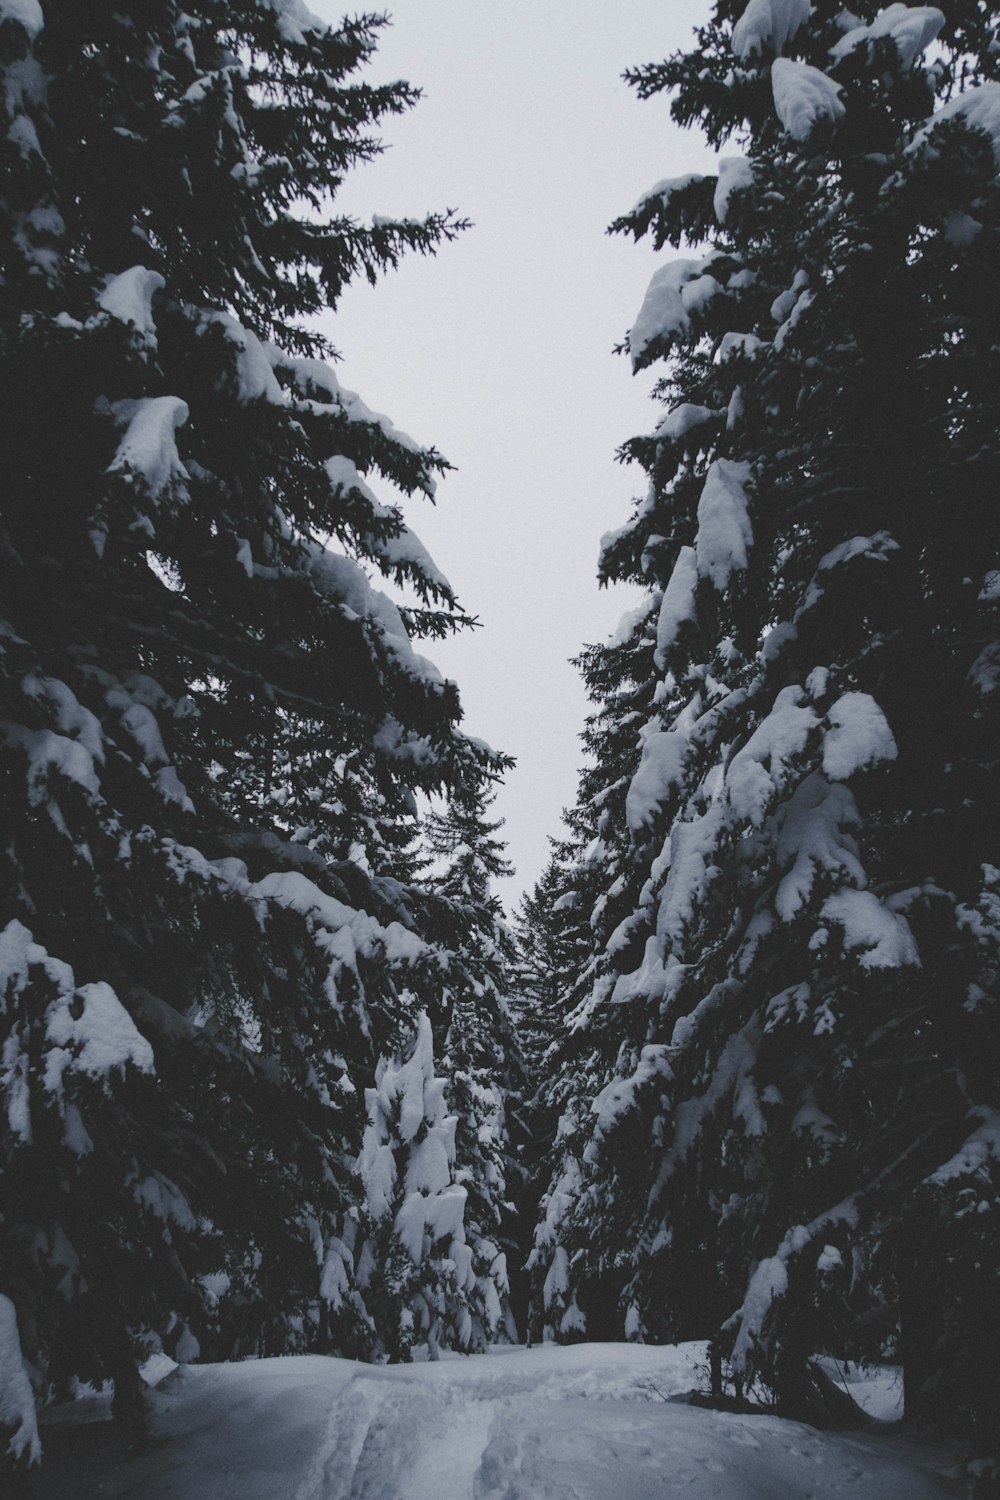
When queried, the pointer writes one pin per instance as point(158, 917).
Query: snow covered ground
point(579, 1423)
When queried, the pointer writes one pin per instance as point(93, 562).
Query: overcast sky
point(499, 349)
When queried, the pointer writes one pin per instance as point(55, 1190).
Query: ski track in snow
point(578, 1423)
point(369, 1451)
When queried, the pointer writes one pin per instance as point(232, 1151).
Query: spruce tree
point(214, 723)
point(413, 1264)
point(552, 937)
point(798, 1147)
point(480, 1053)
point(595, 913)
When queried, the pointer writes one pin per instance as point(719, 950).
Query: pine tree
point(552, 934)
point(798, 1148)
point(596, 911)
point(414, 1267)
point(481, 1057)
point(213, 724)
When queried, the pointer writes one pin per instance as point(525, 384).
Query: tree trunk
point(920, 1327)
point(715, 1367)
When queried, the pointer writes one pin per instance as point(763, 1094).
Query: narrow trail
point(580, 1423)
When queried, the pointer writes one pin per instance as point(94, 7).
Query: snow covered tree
point(553, 942)
point(213, 725)
point(594, 897)
point(798, 1148)
point(414, 1266)
point(480, 1054)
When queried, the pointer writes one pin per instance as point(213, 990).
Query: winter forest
point(667, 1178)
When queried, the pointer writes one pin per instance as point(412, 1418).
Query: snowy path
point(516, 1424)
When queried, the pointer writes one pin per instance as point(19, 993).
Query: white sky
point(498, 350)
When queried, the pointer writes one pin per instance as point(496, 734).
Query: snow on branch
point(255, 375)
point(295, 19)
point(735, 175)
point(814, 839)
point(911, 27)
point(768, 25)
point(803, 97)
point(618, 1097)
point(86, 1030)
point(659, 770)
point(682, 419)
point(27, 13)
point(128, 297)
point(769, 1282)
point(883, 937)
point(661, 193)
point(757, 771)
point(678, 603)
point(343, 581)
point(977, 1154)
point(978, 108)
point(676, 291)
point(17, 1402)
point(340, 931)
point(724, 531)
point(149, 447)
point(859, 736)
point(877, 548)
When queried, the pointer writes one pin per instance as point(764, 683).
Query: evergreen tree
point(413, 1264)
point(797, 1148)
point(596, 910)
point(480, 1053)
point(213, 723)
point(552, 938)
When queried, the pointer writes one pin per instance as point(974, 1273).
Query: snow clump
point(859, 736)
point(735, 173)
point(911, 27)
point(768, 24)
point(17, 1402)
point(979, 108)
point(724, 531)
point(129, 298)
point(678, 603)
point(27, 13)
point(149, 447)
point(676, 290)
point(803, 97)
